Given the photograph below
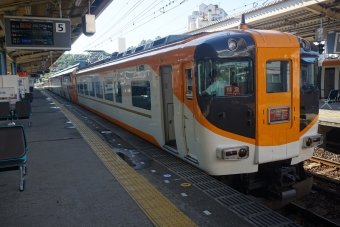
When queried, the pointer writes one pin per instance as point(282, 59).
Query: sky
point(137, 20)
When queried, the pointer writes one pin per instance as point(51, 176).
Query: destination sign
point(31, 33)
point(37, 33)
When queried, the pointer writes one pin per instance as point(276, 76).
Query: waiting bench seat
point(28, 97)
point(5, 111)
point(23, 110)
point(332, 97)
point(13, 148)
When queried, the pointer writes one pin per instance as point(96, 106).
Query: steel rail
point(311, 216)
point(325, 161)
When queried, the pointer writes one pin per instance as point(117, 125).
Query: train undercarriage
point(274, 185)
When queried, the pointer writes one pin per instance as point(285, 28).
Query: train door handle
point(170, 122)
point(185, 117)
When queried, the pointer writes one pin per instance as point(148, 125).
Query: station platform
point(329, 115)
point(85, 171)
point(329, 125)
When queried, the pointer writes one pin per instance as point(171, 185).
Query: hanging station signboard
point(37, 33)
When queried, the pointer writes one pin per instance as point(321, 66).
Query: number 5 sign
point(60, 27)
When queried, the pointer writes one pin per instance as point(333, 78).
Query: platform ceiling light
point(77, 2)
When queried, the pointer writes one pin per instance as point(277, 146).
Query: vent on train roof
point(82, 64)
point(170, 39)
point(140, 48)
point(148, 45)
point(157, 43)
point(129, 52)
point(114, 54)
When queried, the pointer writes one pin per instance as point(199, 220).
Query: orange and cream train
point(227, 102)
point(330, 76)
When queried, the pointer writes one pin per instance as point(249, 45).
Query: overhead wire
point(102, 29)
point(108, 23)
point(147, 21)
point(137, 17)
point(118, 21)
point(177, 18)
point(233, 10)
point(116, 34)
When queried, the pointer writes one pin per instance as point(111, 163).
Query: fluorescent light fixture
point(77, 2)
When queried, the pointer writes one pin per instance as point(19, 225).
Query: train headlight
point(278, 115)
point(232, 44)
point(312, 141)
point(242, 153)
point(232, 153)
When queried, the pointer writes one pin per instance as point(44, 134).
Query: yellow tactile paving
point(158, 208)
point(149, 202)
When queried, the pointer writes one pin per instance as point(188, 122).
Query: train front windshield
point(225, 77)
point(308, 79)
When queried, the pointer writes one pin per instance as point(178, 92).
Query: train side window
point(81, 88)
point(277, 76)
point(66, 80)
point(108, 89)
point(98, 89)
point(141, 96)
point(91, 89)
point(118, 92)
point(85, 83)
point(188, 83)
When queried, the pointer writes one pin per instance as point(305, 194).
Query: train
point(239, 104)
point(329, 76)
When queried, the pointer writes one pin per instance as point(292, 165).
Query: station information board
point(37, 33)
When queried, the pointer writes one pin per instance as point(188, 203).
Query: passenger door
point(168, 107)
point(277, 133)
point(188, 112)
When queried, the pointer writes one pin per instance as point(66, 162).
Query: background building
point(205, 15)
point(120, 45)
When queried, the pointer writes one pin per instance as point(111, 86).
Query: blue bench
point(13, 148)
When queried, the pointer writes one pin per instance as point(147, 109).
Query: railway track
point(320, 207)
point(326, 174)
point(325, 161)
point(311, 218)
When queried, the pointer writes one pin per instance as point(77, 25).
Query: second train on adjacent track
point(241, 105)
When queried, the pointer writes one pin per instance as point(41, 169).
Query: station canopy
point(34, 60)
